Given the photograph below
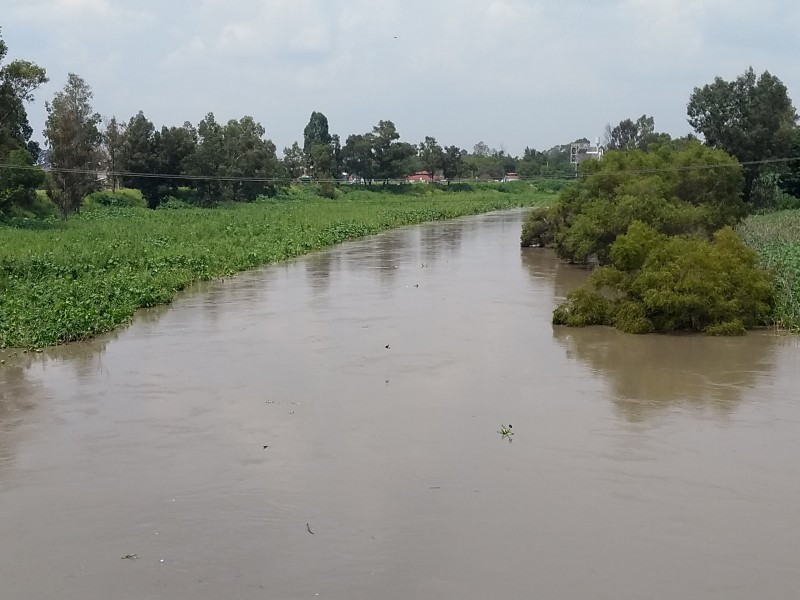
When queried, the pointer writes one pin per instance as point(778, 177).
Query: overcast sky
point(513, 73)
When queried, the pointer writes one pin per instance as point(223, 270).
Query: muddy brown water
point(641, 467)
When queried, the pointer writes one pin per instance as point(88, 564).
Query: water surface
point(641, 467)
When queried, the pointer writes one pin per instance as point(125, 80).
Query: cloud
point(520, 72)
point(58, 10)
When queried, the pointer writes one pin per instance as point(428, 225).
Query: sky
point(511, 73)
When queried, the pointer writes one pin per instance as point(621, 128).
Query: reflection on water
point(205, 436)
point(545, 266)
point(651, 373)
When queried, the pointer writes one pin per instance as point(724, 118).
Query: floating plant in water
point(505, 432)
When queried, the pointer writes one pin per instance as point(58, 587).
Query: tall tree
point(358, 156)
point(207, 160)
point(452, 163)
point(293, 160)
point(113, 137)
point(318, 146)
point(247, 155)
point(175, 146)
point(431, 155)
point(634, 135)
point(18, 80)
point(234, 161)
point(139, 155)
point(316, 132)
point(72, 134)
point(751, 118)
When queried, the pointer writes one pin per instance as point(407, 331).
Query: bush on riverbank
point(78, 278)
point(776, 239)
point(658, 225)
point(665, 189)
point(659, 283)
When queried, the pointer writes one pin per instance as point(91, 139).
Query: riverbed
point(330, 428)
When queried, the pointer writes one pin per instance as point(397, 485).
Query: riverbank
point(71, 280)
point(776, 239)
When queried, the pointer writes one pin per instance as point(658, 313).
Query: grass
point(66, 281)
point(776, 238)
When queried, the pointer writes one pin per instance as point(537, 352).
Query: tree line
point(751, 118)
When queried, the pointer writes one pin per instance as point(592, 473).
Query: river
point(357, 393)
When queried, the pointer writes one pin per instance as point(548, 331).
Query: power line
point(246, 179)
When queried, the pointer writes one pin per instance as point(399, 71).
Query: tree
point(358, 158)
point(139, 154)
point(175, 146)
point(384, 137)
point(18, 80)
point(234, 161)
point(481, 149)
point(751, 118)
point(630, 135)
point(452, 163)
point(316, 132)
point(72, 134)
point(664, 189)
point(247, 156)
point(113, 137)
point(431, 155)
point(293, 160)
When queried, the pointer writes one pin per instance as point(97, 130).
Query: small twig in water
point(309, 529)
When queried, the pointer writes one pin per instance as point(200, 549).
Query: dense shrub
point(123, 198)
point(667, 189)
point(659, 283)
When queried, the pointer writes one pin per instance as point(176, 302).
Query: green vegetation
point(659, 283)
point(658, 224)
point(776, 239)
point(663, 189)
point(68, 280)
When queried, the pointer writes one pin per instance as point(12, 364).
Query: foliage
point(695, 190)
point(90, 273)
point(113, 138)
point(431, 155)
point(752, 118)
point(18, 80)
point(232, 162)
point(659, 283)
point(634, 135)
point(452, 162)
point(123, 198)
point(18, 185)
point(74, 140)
point(776, 239)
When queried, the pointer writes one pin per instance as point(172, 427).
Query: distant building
point(511, 177)
point(420, 177)
point(581, 151)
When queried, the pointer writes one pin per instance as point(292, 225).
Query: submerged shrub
point(656, 282)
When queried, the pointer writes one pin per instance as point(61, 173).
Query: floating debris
point(387, 347)
point(130, 557)
point(505, 432)
point(265, 447)
point(309, 529)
